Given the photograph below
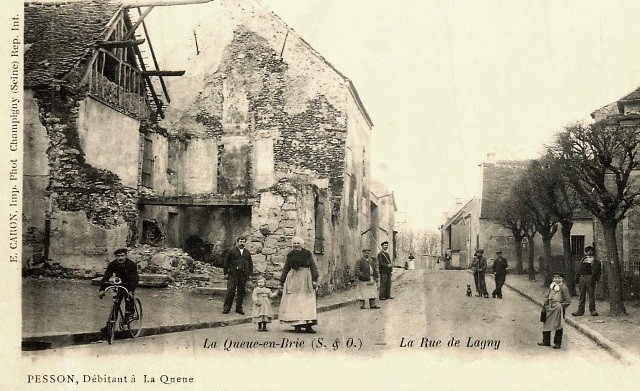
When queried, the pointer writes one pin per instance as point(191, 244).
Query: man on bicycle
point(127, 271)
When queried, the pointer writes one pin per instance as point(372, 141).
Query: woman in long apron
point(299, 280)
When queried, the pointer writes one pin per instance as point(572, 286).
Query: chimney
point(491, 157)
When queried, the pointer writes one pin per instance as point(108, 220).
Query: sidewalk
point(63, 312)
point(608, 332)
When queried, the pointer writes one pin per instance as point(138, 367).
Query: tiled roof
point(59, 34)
point(635, 95)
point(497, 179)
point(605, 111)
point(467, 208)
point(496, 184)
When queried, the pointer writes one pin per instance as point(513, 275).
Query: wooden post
point(104, 59)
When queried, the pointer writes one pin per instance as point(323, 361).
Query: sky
point(448, 81)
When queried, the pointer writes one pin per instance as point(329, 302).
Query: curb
point(57, 340)
point(611, 347)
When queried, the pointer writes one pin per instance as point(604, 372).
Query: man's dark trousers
point(481, 286)
point(385, 284)
point(586, 286)
point(235, 287)
point(499, 283)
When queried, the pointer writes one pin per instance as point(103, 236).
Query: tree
point(531, 189)
point(530, 233)
point(512, 214)
point(558, 198)
point(599, 159)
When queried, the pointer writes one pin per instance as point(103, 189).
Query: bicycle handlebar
point(115, 288)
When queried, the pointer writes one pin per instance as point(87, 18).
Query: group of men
point(371, 272)
point(479, 267)
point(588, 274)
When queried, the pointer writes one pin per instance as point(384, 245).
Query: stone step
point(146, 280)
point(199, 277)
point(210, 290)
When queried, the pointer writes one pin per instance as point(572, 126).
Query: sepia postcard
point(320, 194)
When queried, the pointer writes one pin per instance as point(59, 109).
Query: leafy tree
point(599, 160)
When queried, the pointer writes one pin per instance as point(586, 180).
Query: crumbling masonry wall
point(283, 119)
point(91, 211)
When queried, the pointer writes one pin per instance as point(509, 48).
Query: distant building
point(383, 224)
point(628, 231)
point(476, 224)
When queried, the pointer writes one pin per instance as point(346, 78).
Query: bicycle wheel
point(112, 324)
point(134, 326)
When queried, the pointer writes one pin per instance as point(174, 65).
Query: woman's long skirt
point(298, 304)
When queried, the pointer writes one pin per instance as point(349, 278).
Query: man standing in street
point(368, 277)
point(479, 267)
point(587, 276)
point(385, 266)
point(238, 267)
point(500, 267)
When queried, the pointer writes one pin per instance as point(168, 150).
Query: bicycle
point(117, 321)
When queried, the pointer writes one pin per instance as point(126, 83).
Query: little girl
point(262, 311)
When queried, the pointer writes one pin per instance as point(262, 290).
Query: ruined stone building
point(262, 137)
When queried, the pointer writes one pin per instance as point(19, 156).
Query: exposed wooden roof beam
point(164, 73)
point(163, 3)
point(214, 200)
point(136, 49)
point(155, 60)
point(121, 44)
point(143, 15)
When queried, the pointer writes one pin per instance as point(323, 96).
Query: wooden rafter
point(121, 44)
point(164, 73)
point(140, 20)
point(143, 69)
point(155, 60)
point(163, 3)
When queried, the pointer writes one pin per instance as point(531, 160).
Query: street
point(430, 313)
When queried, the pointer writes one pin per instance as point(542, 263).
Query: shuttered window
point(318, 246)
point(147, 163)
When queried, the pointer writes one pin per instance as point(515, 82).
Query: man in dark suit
point(238, 267)
point(500, 267)
point(385, 267)
point(587, 276)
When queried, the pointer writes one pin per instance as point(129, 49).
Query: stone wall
point(109, 140)
point(36, 179)
point(92, 212)
point(283, 119)
point(285, 211)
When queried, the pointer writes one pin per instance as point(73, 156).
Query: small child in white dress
point(262, 311)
